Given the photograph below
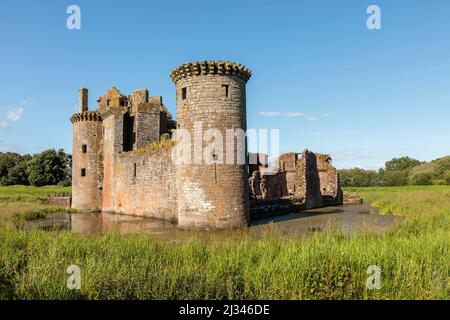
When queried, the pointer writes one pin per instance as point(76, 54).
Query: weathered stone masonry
point(309, 178)
point(122, 159)
point(213, 94)
point(144, 184)
point(87, 134)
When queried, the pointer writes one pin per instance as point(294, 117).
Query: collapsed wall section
point(288, 162)
point(267, 185)
point(330, 185)
point(307, 181)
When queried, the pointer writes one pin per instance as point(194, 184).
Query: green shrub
point(421, 179)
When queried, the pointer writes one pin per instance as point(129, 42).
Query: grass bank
point(414, 260)
point(24, 203)
point(20, 194)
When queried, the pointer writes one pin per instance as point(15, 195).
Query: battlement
point(86, 116)
point(210, 67)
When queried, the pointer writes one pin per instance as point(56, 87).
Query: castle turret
point(86, 157)
point(212, 95)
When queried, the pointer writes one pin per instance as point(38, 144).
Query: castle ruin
point(122, 155)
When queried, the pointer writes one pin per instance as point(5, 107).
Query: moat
point(346, 218)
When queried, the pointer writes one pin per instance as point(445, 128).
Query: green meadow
point(413, 255)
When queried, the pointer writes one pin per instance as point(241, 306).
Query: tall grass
point(414, 259)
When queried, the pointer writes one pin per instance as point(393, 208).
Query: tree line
point(400, 172)
point(49, 167)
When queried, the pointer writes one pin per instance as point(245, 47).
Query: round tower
point(212, 95)
point(86, 157)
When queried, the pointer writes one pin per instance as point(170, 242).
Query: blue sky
point(319, 75)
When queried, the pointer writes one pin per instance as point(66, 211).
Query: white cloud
point(270, 114)
point(9, 115)
point(311, 118)
point(14, 114)
point(295, 114)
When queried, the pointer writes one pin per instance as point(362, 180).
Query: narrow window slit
point(225, 89)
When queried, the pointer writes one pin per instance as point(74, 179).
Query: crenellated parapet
point(86, 116)
point(210, 67)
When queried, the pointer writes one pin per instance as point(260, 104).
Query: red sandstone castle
point(122, 159)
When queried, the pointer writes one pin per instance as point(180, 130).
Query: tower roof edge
point(210, 67)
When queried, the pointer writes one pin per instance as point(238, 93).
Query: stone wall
point(147, 128)
point(330, 185)
point(312, 179)
point(273, 185)
point(144, 184)
point(307, 181)
point(267, 185)
point(254, 183)
point(352, 199)
point(288, 162)
point(139, 96)
point(58, 201)
point(109, 150)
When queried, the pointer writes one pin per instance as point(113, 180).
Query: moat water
point(345, 218)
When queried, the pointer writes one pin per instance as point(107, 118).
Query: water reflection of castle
point(100, 223)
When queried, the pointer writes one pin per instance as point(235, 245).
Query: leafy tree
point(48, 167)
point(18, 174)
point(446, 177)
point(401, 164)
point(421, 178)
point(7, 161)
point(393, 177)
point(441, 165)
point(438, 181)
point(13, 168)
point(357, 177)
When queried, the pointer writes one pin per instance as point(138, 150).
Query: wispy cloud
point(8, 148)
point(294, 114)
point(311, 118)
point(9, 115)
point(270, 114)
